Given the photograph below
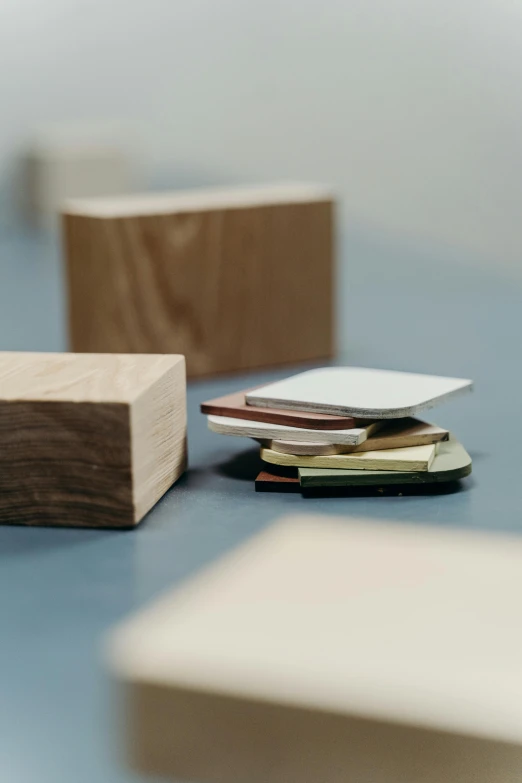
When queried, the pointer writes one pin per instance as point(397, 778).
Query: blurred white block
point(64, 165)
point(333, 650)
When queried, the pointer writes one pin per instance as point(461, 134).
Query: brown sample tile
point(234, 406)
point(272, 482)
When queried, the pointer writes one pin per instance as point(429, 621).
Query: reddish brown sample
point(272, 482)
point(235, 407)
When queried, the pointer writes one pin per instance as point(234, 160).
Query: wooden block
point(234, 279)
point(234, 406)
point(416, 458)
point(399, 434)
point(451, 463)
point(260, 429)
point(89, 440)
point(272, 482)
point(333, 650)
point(358, 391)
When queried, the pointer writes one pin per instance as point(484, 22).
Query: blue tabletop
point(61, 590)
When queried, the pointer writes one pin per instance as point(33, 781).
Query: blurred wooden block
point(333, 650)
point(233, 279)
point(89, 440)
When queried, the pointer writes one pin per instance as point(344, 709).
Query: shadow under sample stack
point(346, 427)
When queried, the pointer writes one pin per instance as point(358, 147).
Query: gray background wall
point(412, 108)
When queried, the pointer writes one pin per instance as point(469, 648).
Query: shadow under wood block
point(234, 279)
point(89, 440)
point(333, 650)
point(244, 466)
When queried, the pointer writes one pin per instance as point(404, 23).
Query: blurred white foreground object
point(333, 651)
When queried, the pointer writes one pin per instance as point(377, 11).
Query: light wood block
point(234, 279)
point(399, 434)
point(89, 440)
point(415, 458)
point(233, 406)
point(261, 429)
point(452, 462)
point(359, 392)
point(333, 650)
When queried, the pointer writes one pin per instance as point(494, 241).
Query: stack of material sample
point(346, 427)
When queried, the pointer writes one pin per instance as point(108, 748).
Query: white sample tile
point(358, 391)
point(263, 431)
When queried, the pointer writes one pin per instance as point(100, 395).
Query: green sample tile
point(451, 463)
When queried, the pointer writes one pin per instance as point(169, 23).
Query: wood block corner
point(89, 440)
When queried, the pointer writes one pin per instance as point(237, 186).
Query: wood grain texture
point(261, 429)
point(398, 434)
point(234, 406)
point(79, 378)
point(233, 280)
point(87, 440)
point(359, 391)
point(415, 458)
point(452, 463)
point(333, 650)
point(159, 437)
